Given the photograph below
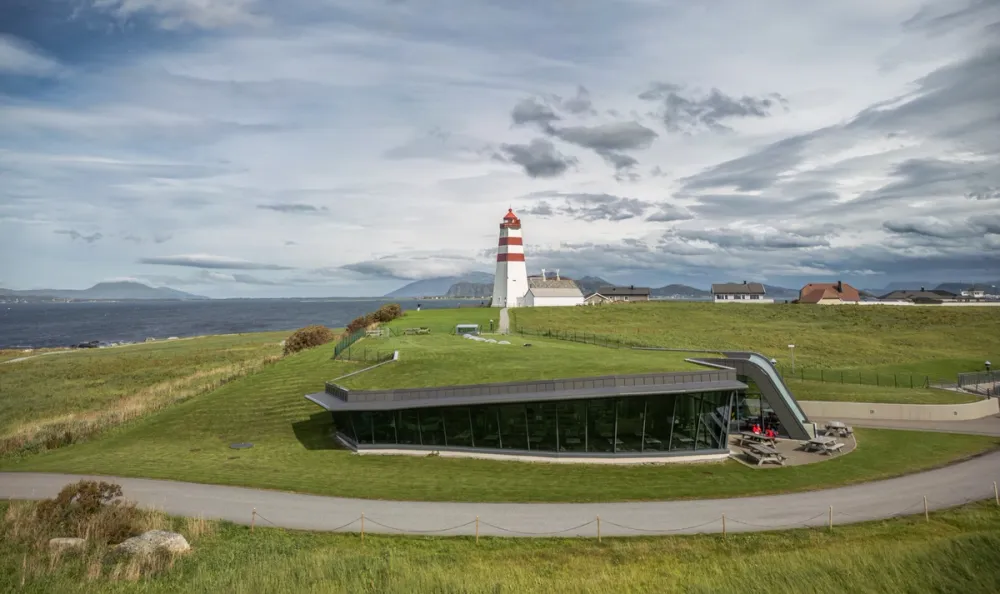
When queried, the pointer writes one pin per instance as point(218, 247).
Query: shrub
point(308, 337)
point(92, 510)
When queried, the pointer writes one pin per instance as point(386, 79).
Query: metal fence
point(345, 343)
point(583, 337)
point(981, 382)
point(366, 354)
point(856, 377)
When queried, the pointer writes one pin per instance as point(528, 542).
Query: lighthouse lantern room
point(511, 281)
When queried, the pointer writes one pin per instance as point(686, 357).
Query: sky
point(307, 148)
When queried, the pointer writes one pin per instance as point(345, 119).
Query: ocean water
point(36, 325)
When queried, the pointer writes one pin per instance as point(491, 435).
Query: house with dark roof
point(740, 293)
point(620, 294)
point(922, 296)
point(829, 294)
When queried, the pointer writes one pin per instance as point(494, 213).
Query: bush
point(308, 337)
point(384, 314)
point(89, 509)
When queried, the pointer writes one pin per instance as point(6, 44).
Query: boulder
point(66, 543)
point(155, 541)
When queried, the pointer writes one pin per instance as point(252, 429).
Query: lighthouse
point(511, 280)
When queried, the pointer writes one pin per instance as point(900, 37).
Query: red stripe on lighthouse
point(511, 241)
point(510, 257)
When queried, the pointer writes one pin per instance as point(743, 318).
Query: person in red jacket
point(756, 428)
point(770, 433)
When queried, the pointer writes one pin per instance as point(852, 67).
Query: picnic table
point(747, 436)
point(417, 331)
point(762, 453)
point(838, 428)
point(824, 445)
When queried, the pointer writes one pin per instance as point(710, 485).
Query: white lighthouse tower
point(511, 281)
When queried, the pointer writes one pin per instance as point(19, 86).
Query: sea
point(42, 325)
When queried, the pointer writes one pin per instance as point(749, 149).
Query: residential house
point(921, 296)
point(629, 293)
point(552, 293)
point(829, 293)
point(595, 299)
point(740, 293)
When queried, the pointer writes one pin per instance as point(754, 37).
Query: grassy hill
point(934, 341)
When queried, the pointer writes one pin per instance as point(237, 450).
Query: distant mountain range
point(111, 291)
point(480, 285)
point(988, 286)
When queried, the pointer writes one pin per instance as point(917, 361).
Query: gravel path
point(944, 487)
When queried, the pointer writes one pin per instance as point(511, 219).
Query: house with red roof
point(829, 293)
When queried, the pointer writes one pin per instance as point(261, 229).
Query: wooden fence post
point(598, 528)
point(927, 517)
point(724, 527)
point(362, 527)
point(831, 517)
point(253, 519)
point(995, 494)
point(477, 529)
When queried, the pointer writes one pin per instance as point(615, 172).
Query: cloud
point(667, 213)
point(18, 57)
point(680, 113)
point(415, 266)
point(970, 229)
point(588, 207)
point(210, 262)
point(293, 208)
point(752, 238)
point(542, 209)
point(74, 234)
point(290, 242)
point(539, 158)
point(532, 111)
point(176, 14)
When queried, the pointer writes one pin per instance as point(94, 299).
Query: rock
point(65, 543)
point(155, 541)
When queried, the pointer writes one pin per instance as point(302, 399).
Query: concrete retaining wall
point(901, 412)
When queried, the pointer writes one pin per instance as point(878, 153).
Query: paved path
point(504, 322)
point(944, 487)
point(983, 426)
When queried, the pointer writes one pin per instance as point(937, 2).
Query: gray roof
point(552, 283)
point(630, 290)
point(738, 289)
point(556, 292)
point(332, 403)
point(918, 295)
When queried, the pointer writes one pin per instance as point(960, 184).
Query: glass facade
point(622, 425)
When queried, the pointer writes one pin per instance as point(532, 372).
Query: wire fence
point(971, 382)
point(365, 354)
point(826, 519)
point(345, 343)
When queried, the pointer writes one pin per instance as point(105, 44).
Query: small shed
point(467, 329)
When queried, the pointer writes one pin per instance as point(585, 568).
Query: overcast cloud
point(242, 147)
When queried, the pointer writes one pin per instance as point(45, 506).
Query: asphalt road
point(944, 487)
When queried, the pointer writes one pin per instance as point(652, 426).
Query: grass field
point(957, 551)
point(293, 451)
point(811, 390)
point(63, 398)
point(938, 342)
point(449, 360)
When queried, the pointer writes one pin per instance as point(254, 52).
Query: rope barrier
point(665, 530)
point(537, 533)
point(805, 523)
point(411, 530)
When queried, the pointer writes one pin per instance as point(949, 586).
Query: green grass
point(61, 398)
point(957, 551)
point(938, 342)
point(443, 321)
point(292, 451)
point(449, 360)
point(811, 390)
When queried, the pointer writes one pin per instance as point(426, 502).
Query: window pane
point(342, 424)
point(385, 427)
point(456, 426)
point(601, 425)
point(485, 428)
point(572, 425)
point(513, 432)
point(659, 420)
point(630, 415)
point(542, 426)
point(362, 426)
point(406, 426)
point(684, 422)
point(431, 426)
